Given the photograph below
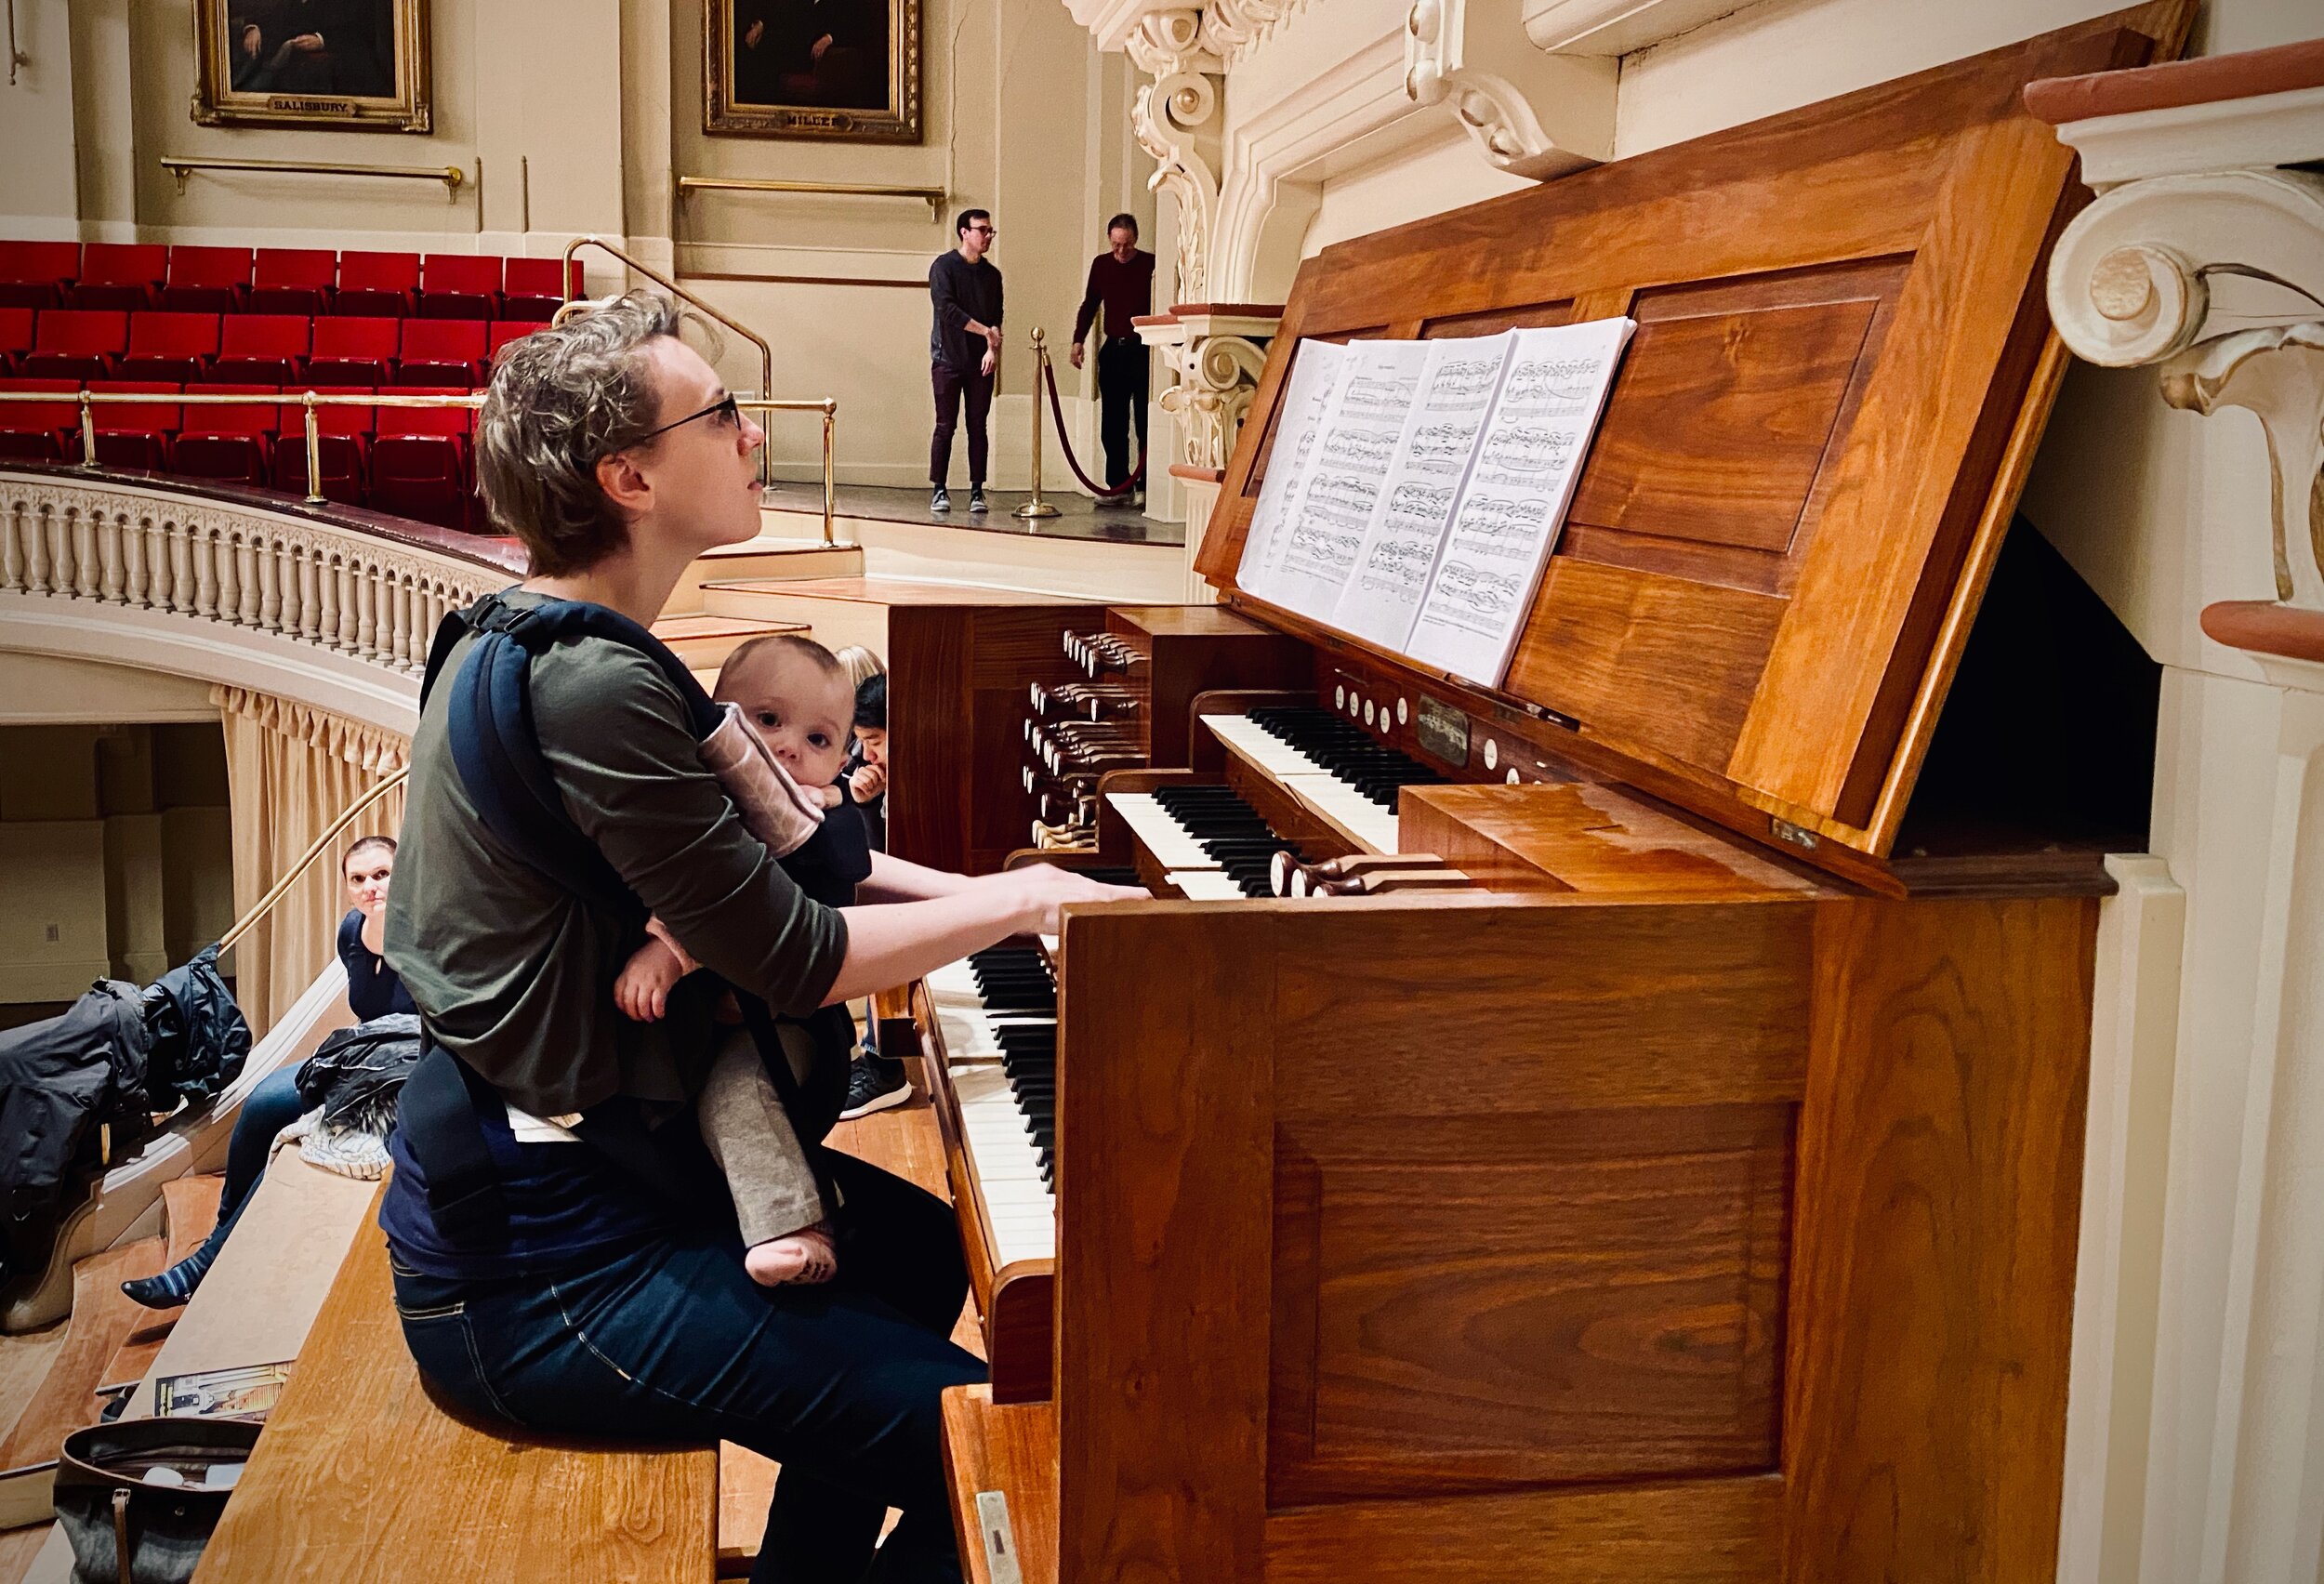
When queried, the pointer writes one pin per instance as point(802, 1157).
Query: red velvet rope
point(1056, 409)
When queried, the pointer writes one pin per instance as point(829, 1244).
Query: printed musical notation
point(1361, 433)
point(1314, 375)
point(1421, 485)
point(1513, 498)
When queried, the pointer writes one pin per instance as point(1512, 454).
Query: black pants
point(1121, 400)
point(840, 1384)
point(951, 385)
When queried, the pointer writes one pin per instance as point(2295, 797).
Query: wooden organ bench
point(1693, 1199)
point(361, 1478)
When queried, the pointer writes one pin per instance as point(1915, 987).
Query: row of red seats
point(279, 348)
point(128, 276)
point(411, 461)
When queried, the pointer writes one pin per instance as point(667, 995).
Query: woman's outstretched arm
point(891, 944)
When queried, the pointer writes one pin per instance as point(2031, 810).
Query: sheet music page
point(1374, 395)
point(1415, 503)
point(1514, 504)
point(1314, 374)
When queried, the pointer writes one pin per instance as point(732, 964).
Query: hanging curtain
point(290, 771)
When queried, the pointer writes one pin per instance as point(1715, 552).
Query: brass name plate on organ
point(1443, 730)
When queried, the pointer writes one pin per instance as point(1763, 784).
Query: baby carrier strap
point(495, 751)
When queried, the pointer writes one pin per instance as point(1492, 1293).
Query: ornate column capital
point(2131, 280)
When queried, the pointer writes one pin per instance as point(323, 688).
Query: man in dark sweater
point(963, 350)
point(1121, 281)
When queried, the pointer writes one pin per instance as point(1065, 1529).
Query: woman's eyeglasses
point(728, 411)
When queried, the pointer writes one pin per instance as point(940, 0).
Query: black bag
point(127, 1520)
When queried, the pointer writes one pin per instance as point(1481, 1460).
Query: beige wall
point(115, 851)
point(580, 114)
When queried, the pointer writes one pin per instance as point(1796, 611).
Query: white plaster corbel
point(2127, 281)
point(1502, 115)
point(1177, 120)
point(2279, 374)
point(1218, 377)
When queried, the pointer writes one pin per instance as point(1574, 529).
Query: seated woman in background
point(272, 1104)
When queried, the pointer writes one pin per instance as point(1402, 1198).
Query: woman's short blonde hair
point(561, 399)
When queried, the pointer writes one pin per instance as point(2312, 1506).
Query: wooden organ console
point(1690, 1193)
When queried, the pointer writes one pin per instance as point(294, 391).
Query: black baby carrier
point(489, 730)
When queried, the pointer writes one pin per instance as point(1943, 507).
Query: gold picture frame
point(840, 70)
point(355, 65)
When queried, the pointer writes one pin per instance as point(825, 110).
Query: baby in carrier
point(795, 704)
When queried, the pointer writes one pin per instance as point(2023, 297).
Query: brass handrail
point(932, 196)
point(183, 165)
point(766, 352)
point(828, 406)
point(275, 894)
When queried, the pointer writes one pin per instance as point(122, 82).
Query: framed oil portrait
point(356, 64)
point(847, 71)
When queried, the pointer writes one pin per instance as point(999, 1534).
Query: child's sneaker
point(874, 1084)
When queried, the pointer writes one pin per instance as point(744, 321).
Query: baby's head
point(798, 698)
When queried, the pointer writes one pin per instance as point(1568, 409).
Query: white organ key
point(1206, 885)
point(1355, 815)
point(1261, 747)
point(1162, 835)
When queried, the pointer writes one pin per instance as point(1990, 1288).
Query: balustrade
point(308, 580)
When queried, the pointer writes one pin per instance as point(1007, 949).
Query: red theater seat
point(41, 431)
point(170, 346)
point(343, 436)
point(121, 275)
point(76, 344)
point(353, 351)
point(459, 286)
point(503, 332)
point(420, 462)
point(206, 280)
point(232, 442)
point(16, 337)
point(293, 280)
point(377, 284)
point(530, 290)
point(442, 352)
point(262, 348)
point(34, 274)
point(135, 434)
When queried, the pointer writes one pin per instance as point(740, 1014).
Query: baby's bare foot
point(803, 1257)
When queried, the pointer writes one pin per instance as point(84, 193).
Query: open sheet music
point(1426, 484)
point(1521, 478)
point(1313, 378)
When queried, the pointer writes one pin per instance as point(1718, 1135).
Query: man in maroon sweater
point(1121, 280)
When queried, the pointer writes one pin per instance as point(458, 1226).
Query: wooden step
point(103, 1319)
point(191, 1206)
point(785, 549)
point(704, 641)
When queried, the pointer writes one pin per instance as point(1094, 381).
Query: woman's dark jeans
point(270, 1106)
point(674, 1343)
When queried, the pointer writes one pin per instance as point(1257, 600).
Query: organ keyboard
point(1693, 1196)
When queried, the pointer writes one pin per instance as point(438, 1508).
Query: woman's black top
point(372, 990)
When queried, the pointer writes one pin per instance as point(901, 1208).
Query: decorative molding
point(1176, 118)
point(2279, 374)
point(1443, 40)
point(1614, 28)
point(1217, 378)
point(305, 607)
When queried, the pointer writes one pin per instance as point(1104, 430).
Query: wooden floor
point(905, 1142)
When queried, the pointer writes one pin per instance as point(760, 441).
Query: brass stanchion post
point(1036, 506)
point(830, 488)
point(88, 432)
point(314, 454)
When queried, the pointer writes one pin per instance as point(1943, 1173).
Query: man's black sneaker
point(874, 1084)
point(976, 498)
point(940, 499)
